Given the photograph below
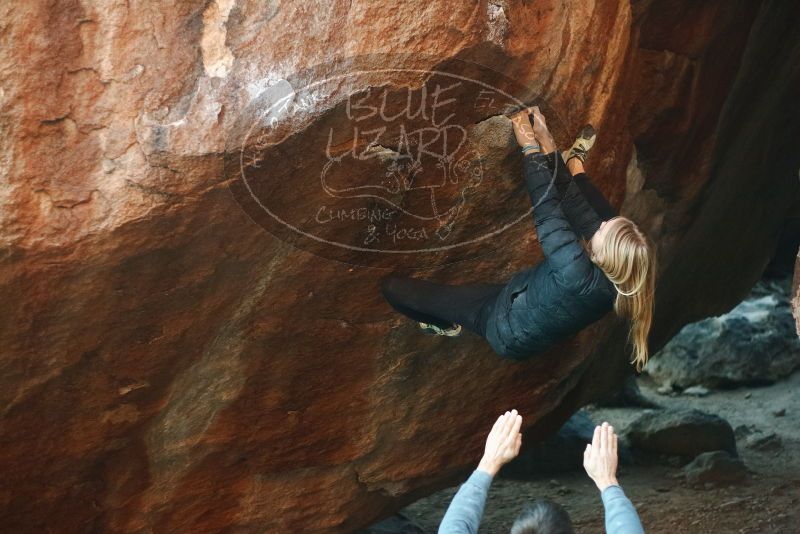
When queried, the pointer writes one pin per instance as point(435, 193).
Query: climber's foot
point(438, 331)
point(582, 145)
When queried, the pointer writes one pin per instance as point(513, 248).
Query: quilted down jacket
point(560, 296)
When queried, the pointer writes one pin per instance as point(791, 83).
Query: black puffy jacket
point(566, 292)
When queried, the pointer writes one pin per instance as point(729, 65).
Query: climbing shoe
point(582, 145)
point(438, 331)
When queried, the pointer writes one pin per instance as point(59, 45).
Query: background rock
point(685, 433)
point(764, 442)
point(628, 396)
point(170, 366)
point(560, 453)
point(715, 468)
point(755, 343)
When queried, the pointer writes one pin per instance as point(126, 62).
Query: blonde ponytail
point(629, 260)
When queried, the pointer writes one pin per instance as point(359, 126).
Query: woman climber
point(611, 266)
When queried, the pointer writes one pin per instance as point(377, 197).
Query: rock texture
point(755, 343)
point(170, 366)
point(764, 442)
point(685, 433)
point(715, 468)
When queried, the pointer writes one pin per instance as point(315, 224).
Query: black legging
point(595, 198)
point(442, 305)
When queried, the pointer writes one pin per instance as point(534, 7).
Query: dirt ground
point(768, 501)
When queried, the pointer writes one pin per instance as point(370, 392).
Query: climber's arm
point(557, 238)
point(502, 445)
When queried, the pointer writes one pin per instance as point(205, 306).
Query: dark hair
point(543, 517)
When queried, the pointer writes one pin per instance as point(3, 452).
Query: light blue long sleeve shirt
point(466, 510)
point(621, 516)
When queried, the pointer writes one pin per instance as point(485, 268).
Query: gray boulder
point(685, 433)
point(715, 468)
point(755, 343)
point(768, 442)
point(629, 395)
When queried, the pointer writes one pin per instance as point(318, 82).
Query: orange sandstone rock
point(170, 365)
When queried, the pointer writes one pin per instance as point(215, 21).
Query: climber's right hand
point(538, 121)
point(503, 443)
point(540, 130)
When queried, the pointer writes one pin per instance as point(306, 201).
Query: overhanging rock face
point(193, 337)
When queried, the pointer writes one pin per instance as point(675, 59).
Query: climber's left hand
point(523, 131)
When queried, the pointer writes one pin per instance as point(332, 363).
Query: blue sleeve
point(621, 516)
point(558, 240)
point(465, 512)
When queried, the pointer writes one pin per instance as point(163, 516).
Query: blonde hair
point(628, 258)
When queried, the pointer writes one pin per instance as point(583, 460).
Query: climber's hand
point(540, 130)
point(522, 128)
point(538, 121)
point(503, 443)
point(600, 457)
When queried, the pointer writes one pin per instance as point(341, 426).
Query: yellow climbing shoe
point(582, 145)
point(438, 331)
